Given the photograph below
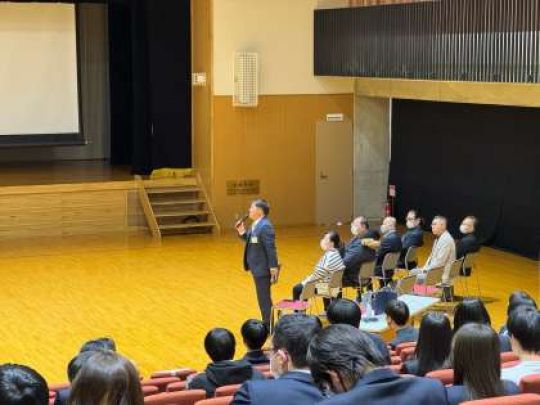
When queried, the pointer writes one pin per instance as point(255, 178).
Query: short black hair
point(77, 363)
point(103, 343)
point(344, 311)
point(220, 344)
point(519, 298)
point(398, 312)
point(524, 326)
point(21, 385)
point(263, 205)
point(254, 333)
point(293, 333)
point(470, 310)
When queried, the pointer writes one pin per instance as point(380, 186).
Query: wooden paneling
point(273, 143)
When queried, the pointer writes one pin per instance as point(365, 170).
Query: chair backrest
point(308, 291)
point(367, 271)
point(445, 376)
point(469, 260)
point(407, 353)
point(58, 387)
point(215, 401)
point(508, 356)
point(335, 279)
point(455, 270)
point(227, 390)
point(411, 256)
point(522, 399)
point(161, 383)
point(390, 261)
point(404, 345)
point(530, 384)
point(262, 367)
point(188, 397)
point(176, 386)
point(150, 390)
point(181, 373)
point(434, 276)
point(406, 285)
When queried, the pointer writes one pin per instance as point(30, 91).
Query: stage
point(158, 300)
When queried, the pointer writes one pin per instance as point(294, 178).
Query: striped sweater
point(328, 263)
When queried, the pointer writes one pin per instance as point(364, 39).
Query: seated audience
point(443, 253)
point(344, 360)
point(390, 242)
point(397, 315)
point(516, 300)
point(355, 253)
point(330, 262)
point(524, 331)
point(107, 378)
point(220, 346)
point(473, 310)
point(21, 385)
point(254, 334)
point(469, 243)
point(344, 311)
point(293, 383)
point(476, 361)
point(414, 237)
point(104, 343)
point(73, 368)
point(433, 347)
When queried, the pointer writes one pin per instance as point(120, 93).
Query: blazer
point(293, 388)
point(390, 243)
point(443, 254)
point(468, 244)
point(459, 393)
point(355, 254)
point(384, 387)
point(405, 334)
point(260, 253)
point(413, 237)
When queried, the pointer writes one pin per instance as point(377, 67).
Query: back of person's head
point(340, 355)
point(470, 310)
point(434, 342)
point(77, 363)
point(107, 378)
point(220, 344)
point(21, 385)
point(293, 334)
point(524, 327)
point(519, 298)
point(103, 343)
point(344, 311)
point(398, 312)
point(254, 333)
point(477, 361)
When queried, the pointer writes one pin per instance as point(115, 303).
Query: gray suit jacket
point(443, 254)
point(260, 253)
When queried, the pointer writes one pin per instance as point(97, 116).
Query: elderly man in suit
point(413, 237)
point(469, 243)
point(260, 255)
point(443, 253)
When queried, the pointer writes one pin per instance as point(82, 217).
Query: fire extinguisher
point(387, 209)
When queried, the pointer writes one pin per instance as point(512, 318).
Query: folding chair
point(389, 264)
point(288, 306)
point(448, 285)
point(433, 277)
point(188, 397)
point(331, 289)
point(469, 263)
point(411, 256)
point(406, 285)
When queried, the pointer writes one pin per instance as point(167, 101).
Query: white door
point(334, 172)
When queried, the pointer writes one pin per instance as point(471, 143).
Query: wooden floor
point(159, 300)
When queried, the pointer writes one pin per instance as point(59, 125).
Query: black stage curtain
point(461, 159)
point(150, 69)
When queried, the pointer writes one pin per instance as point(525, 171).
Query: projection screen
point(39, 100)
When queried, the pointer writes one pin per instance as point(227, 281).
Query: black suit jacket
point(468, 244)
point(294, 388)
point(391, 242)
point(384, 387)
point(260, 253)
point(355, 254)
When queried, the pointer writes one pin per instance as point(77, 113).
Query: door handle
point(323, 176)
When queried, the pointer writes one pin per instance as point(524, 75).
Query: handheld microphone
point(243, 219)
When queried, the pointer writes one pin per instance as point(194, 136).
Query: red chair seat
point(181, 373)
point(404, 345)
point(227, 390)
point(444, 376)
point(215, 401)
point(395, 360)
point(510, 364)
point(522, 399)
point(262, 367)
point(530, 384)
point(150, 390)
point(161, 383)
point(406, 353)
point(176, 386)
point(292, 305)
point(508, 356)
point(188, 397)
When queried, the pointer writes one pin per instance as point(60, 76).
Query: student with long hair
point(477, 365)
point(107, 378)
point(433, 347)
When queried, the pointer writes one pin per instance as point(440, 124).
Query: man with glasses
point(293, 383)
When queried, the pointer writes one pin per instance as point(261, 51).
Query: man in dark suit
point(413, 237)
point(344, 359)
point(354, 253)
point(390, 242)
point(293, 383)
point(469, 243)
point(260, 255)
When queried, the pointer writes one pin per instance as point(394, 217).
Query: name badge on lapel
point(254, 239)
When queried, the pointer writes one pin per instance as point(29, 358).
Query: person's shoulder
point(510, 387)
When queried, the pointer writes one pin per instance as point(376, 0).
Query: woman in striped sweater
point(328, 263)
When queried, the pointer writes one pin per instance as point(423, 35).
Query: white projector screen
point(38, 75)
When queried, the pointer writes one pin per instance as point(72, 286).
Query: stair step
point(175, 190)
point(164, 203)
point(163, 214)
point(186, 226)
